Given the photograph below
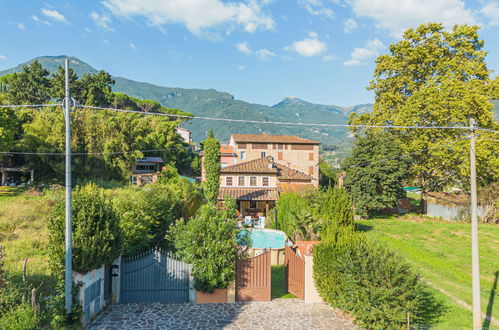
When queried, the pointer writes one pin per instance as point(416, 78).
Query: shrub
point(96, 232)
point(20, 317)
point(366, 279)
point(208, 241)
point(211, 147)
point(146, 214)
point(310, 216)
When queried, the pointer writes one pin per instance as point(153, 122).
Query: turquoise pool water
point(264, 239)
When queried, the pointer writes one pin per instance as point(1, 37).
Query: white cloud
point(350, 24)
point(196, 15)
point(328, 58)
point(2, 57)
point(309, 46)
point(264, 54)
point(132, 46)
point(359, 56)
point(21, 26)
point(101, 21)
point(105, 41)
point(54, 14)
point(316, 8)
point(398, 15)
point(87, 29)
point(241, 67)
point(38, 20)
point(491, 12)
point(243, 47)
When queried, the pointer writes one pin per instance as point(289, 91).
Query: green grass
point(441, 253)
point(24, 234)
point(278, 283)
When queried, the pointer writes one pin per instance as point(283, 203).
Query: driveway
point(275, 314)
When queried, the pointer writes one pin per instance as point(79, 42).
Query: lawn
point(278, 284)
point(441, 253)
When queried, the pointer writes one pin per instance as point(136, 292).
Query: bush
point(208, 241)
point(366, 279)
point(146, 214)
point(310, 216)
point(96, 232)
point(20, 317)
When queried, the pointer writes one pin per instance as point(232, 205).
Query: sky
point(322, 51)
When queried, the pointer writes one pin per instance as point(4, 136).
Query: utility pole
point(475, 267)
point(68, 279)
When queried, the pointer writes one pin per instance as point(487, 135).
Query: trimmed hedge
point(366, 279)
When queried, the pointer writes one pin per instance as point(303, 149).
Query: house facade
point(146, 170)
point(292, 151)
point(256, 184)
point(11, 173)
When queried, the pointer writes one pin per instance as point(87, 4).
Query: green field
point(441, 253)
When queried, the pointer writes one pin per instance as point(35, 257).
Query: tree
point(96, 231)
point(8, 128)
point(374, 179)
point(96, 89)
point(208, 241)
point(212, 167)
point(58, 85)
point(31, 86)
point(435, 77)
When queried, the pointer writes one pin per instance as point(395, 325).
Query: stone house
point(146, 170)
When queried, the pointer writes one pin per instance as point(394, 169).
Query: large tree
point(436, 77)
point(375, 172)
point(31, 86)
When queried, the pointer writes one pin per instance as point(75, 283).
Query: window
point(252, 204)
point(263, 154)
point(279, 155)
point(241, 145)
point(243, 155)
point(228, 181)
point(265, 181)
point(302, 147)
point(311, 156)
point(310, 170)
point(241, 181)
point(134, 180)
point(253, 181)
point(280, 146)
point(259, 145)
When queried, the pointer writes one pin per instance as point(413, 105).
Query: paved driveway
point(276, 314)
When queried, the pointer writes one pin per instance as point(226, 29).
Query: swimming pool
point(264, 238)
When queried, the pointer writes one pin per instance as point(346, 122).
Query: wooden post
point(266, 209)
point(24, 278)
point(33, 299)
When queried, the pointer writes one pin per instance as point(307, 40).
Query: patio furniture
point(262, 222)
point(247, 220)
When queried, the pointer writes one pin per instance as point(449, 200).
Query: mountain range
point(214, 104)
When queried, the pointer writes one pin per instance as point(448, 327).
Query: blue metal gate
point(153, 277)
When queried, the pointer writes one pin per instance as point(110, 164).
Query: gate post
point(116, 280)
point(192, 291)
point(311, 294)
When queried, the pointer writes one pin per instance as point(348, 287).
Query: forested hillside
point(105, 143)
point(212, 103)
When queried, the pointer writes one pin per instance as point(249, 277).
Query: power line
point(401, 156)
point(29, 105)
point(88, 153)
point(280, 122)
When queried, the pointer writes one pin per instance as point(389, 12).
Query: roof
point(286, 173)
point(448, 199)
point(260, 165)
point(226, 149)
point(248, 194)
point(150, 160)
point(267, 138)
point(266, 165)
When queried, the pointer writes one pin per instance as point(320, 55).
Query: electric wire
point(29, 105)
point(90, 153)
point(282, 123)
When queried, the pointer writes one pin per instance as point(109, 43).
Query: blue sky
point(322, 51)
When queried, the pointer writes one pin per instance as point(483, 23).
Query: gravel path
point(275, 314)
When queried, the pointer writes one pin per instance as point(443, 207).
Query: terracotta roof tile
point(267, 138)
point(260, 165)
point(286, 173)
point(248, 194)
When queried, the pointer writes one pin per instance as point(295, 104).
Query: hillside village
point(182, 218)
